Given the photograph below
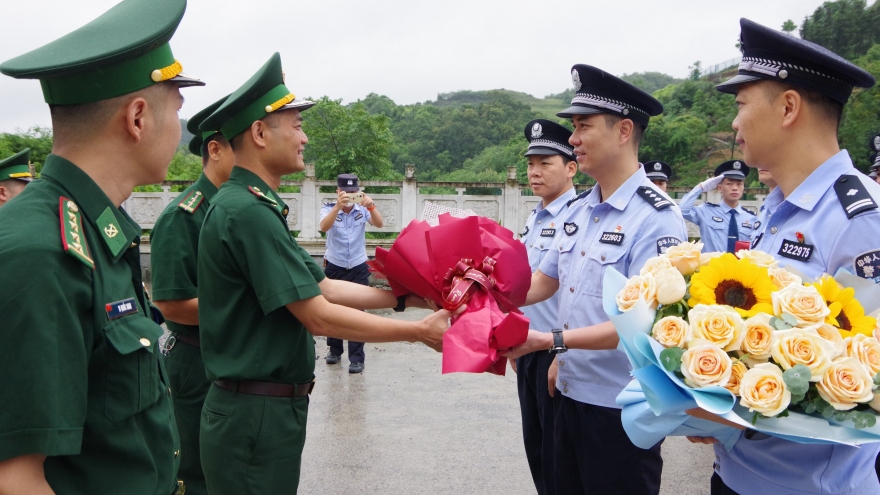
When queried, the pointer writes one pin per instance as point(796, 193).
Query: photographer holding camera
point(345, 223)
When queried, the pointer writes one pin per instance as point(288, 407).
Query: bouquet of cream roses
point(747, 340)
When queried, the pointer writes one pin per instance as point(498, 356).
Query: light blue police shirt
point(622, 232)
point(542, 227)
point(714, 220)
point(346, 239)
point(831, 241)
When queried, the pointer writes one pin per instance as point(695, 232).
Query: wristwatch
point(401, 304)
point(558, 346)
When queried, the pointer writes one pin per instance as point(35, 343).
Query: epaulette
point(72, 234)
point(192, 201)
point(331, 205)
point(710, 204)
point(853, 196)
point(262, 196)
point(655, 199)
point(750, 212)
point(579, 196)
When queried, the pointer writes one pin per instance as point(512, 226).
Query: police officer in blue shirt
point(721, 225)
point(658, 172)
point(345, 223)
point(552, 165)
point(620, 224)
point(790, 95)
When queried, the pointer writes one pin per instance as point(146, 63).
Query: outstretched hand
point(710, 184)
point(435, 326)
point(536, 341)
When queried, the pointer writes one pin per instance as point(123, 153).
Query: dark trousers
point(594, 455)
point(360, 275)
point(718, 487)
point(538, 413)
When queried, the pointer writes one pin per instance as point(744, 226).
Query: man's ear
point(135, 115)
point(791, 106)
point(258, 133)
point(5, 194)
point(213, 150)
point(625, 131)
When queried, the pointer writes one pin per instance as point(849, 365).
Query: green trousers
point(252, 444)
point(189, 386)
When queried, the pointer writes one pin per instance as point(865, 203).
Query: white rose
point(705, 258)
point(803, 302)
point(783, 278)
point(866, 350)
point(802, 346)
point(845, 383)
point(705, 364)
point(685, 256)
point(832, 334)
point(655, 264)
point(720, 325)
point(763, 389)
point(757, 340)
point(738, 371)
point(759, 258)
point(671, 331)
point(671, 286)
point(642, 287)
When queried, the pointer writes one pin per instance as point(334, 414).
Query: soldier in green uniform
point(262, 297)
point(174, 250)
point(86, 406)
point(14, 175)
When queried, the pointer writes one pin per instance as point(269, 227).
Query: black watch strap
point(401, 304)
point(558, 344)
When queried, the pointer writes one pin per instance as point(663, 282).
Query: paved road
point(403, 428)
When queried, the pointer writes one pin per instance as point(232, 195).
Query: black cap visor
point(579, 110)
point(731, 85)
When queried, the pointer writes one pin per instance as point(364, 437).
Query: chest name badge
point(338, 218)
point(525, 231)
point(718, 219)
point(615, 238)
point(121, 308)
point(664, 243)
point(746, 224)
point(359, 216)
point(867, 265)
point(796, 251)
point(570, 228)
point(548, 232)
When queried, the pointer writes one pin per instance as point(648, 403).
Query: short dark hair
point(215, 137)
point(638, 129)
point(270, 120)
point(827, 109)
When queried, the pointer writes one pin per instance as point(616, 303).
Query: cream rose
point(639, 287)
point(705, 258)
point(671, 331)
point(705, 364)
point(759, 258)
point(845, 383)
point(655, 264)
point(671, 286)
point(875, 404)
point(762, 389)
point(757, 339)
point(803, 302)
point(802, 346)
point(737, 371)
point(783, 278)
point(685, 256)
point(866, 350)
point(832, 334)
point(720, 325)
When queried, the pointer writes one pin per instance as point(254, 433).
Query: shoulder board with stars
point(750, 212)
point(655, 199)
point(262, 196)
point(853, 196)
point(192, 201)
point(710, 204)
point(578, 197)
point(72, 235)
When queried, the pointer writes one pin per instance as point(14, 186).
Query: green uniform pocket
point(133, 383)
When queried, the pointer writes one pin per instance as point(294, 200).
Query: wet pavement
point(402, 427)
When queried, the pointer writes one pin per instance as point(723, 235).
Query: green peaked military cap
point(16, 166)
point(124, 50)
point(192, 125)
point(262, 94)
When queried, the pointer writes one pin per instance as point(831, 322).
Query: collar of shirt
point(556, 205)
point(726, 208)
point(93, 203)
point(249, 178)
point(206, 186)
point(807, 195)
point(355, 208)
point(623, 194)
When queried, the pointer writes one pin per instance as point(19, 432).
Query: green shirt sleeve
point(274, 263)
point(174, 256)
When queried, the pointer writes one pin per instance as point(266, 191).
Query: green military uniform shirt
point(84, 382)
point(174, 247)
point(250, 267)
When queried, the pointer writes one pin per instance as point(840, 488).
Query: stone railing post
point(308, 213)
point(409, 201)
point(510, 213)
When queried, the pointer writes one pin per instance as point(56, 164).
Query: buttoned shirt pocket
point(599, 258)
point(566, 261)
point(133, 381)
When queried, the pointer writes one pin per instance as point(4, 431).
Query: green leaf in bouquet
point(671, 358)
point(796, 398)
point(864, 420)
point(827, 411)
point(778, 323)
point(755, 418)
point(790, 319)
point(783, 414)
point(842, 415)
point(810, 407)
point(797, 379)
point(876, 381)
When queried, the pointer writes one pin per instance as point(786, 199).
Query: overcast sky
point(409, 50)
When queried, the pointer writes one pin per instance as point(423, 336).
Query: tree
point(861, 115)
point(846, 27)
point(37, 138)
point(649, 81)
point(788, 26)
point(696, 71)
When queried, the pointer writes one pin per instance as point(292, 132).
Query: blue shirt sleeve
point(688, 210)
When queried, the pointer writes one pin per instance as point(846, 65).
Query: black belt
point(267, 388)
point(189, 339)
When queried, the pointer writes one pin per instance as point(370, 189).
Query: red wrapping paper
point(471, 261)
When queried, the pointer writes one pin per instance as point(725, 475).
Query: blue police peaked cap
point(597, 91)
point(733, 169)
point(776, 56)
point(548, 138)
point(657, 170)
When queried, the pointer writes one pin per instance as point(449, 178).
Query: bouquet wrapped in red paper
point(469, 261)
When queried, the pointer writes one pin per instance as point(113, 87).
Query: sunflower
point(847, 314)
point(740, 284)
